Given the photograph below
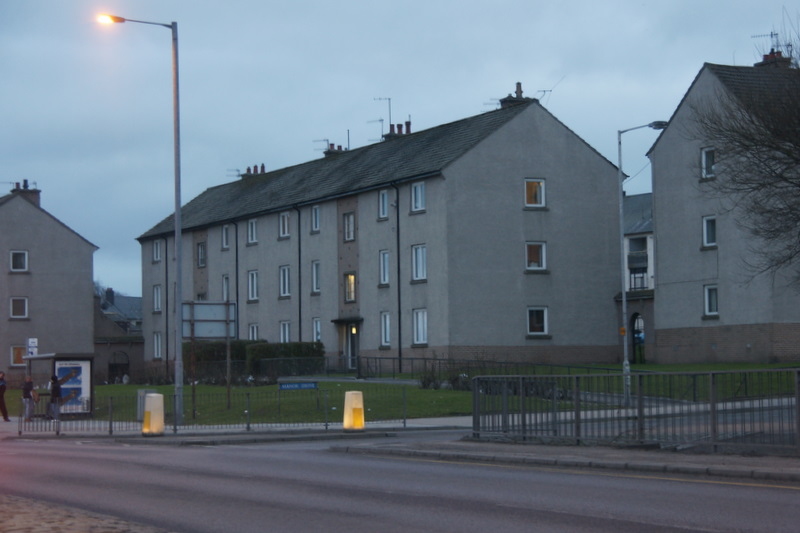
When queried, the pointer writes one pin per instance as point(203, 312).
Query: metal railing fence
point(720, 411)
point(241, 411)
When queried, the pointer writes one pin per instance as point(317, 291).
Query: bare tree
point(754, 126)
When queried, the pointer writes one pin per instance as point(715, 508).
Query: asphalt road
point(303, 486)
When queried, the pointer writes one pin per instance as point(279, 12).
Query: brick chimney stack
point(32, 195)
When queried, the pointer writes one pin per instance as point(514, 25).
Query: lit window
point(315, 282)
point(19, 308)
point(419, 262)
point(383, 259)
point(537, 321)
point(252, 231)
point(350, 287)
point(285, 281)
point(707, 162)
point(286, 331)
point(383, 204)
point(283, 229)
point(156, 298)
point(420, 319)
point(315, 219)
point(17, 354)
point(418, 196)
point(710, 231)
point(252, 285)
point(535, 256)
point(201, 255)
point(19, 261)
point(349, 226)
point(534, 193)
point(711, 302)
point(386, 329)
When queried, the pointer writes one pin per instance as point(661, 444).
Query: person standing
point(55, 394)
point(3, 409)
point(28, 398)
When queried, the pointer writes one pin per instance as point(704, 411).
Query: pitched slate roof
point(402, 158)
point(747, 83)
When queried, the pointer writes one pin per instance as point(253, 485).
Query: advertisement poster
point(75, 378)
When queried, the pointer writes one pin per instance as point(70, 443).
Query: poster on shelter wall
point(75, 378)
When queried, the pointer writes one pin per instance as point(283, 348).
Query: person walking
point(3, 409)
point(28, 398)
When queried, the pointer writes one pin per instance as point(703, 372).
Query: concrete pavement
point(19, 515)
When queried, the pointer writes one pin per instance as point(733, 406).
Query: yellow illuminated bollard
point(353, 411)
point(153, 415)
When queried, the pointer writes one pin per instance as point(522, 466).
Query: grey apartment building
point(709, 305)
point(490, 237)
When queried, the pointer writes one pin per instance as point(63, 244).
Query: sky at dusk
point(86, 109)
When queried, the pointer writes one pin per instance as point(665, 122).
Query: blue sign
point(298, 386)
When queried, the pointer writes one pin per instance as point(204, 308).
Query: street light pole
point(623, 330)
point(111, 19)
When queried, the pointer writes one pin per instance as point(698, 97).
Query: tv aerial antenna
point(389, 99)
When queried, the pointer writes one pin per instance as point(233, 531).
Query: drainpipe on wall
point(166, 314)
point(299, 279)
point(399, 292)
point(236, 278)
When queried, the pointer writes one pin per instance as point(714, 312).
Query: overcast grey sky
point(86, 109)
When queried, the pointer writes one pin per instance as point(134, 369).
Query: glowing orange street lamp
point(112, 19)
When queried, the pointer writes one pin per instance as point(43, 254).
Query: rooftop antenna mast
point(326, 141)
point(390, 108)
point(374, 121)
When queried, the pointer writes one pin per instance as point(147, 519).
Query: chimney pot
point(399, 129)
point(248, 171)
point(408, 127)
point(262, 168)
point(519, 89)
point(391, 129)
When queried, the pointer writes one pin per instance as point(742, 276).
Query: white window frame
point(386, 329)
point(16, 356)
point(349, 226)
point(26, 312)
point(707, 171)
point(420, 323)
point(710, 300)
point(12, 254)
point(419, 262)
point(383, 204)
point(350, 287)
point(315, 279)
point(285, 281)
point(545, 320)
point(225, 236)
point(540, 199)
point(252, 231)
point(158, 345)
point(384, 267)
point(252, 331)
point(709, 228)
point(156, 251)
point(285, 220)
point(316, 329)
point(201, 255)
point(226, 288)
point(156, 298)
point(286, 331)
point(252, 285)
point(315, 218)
point(542, 265)
point(418, 197)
